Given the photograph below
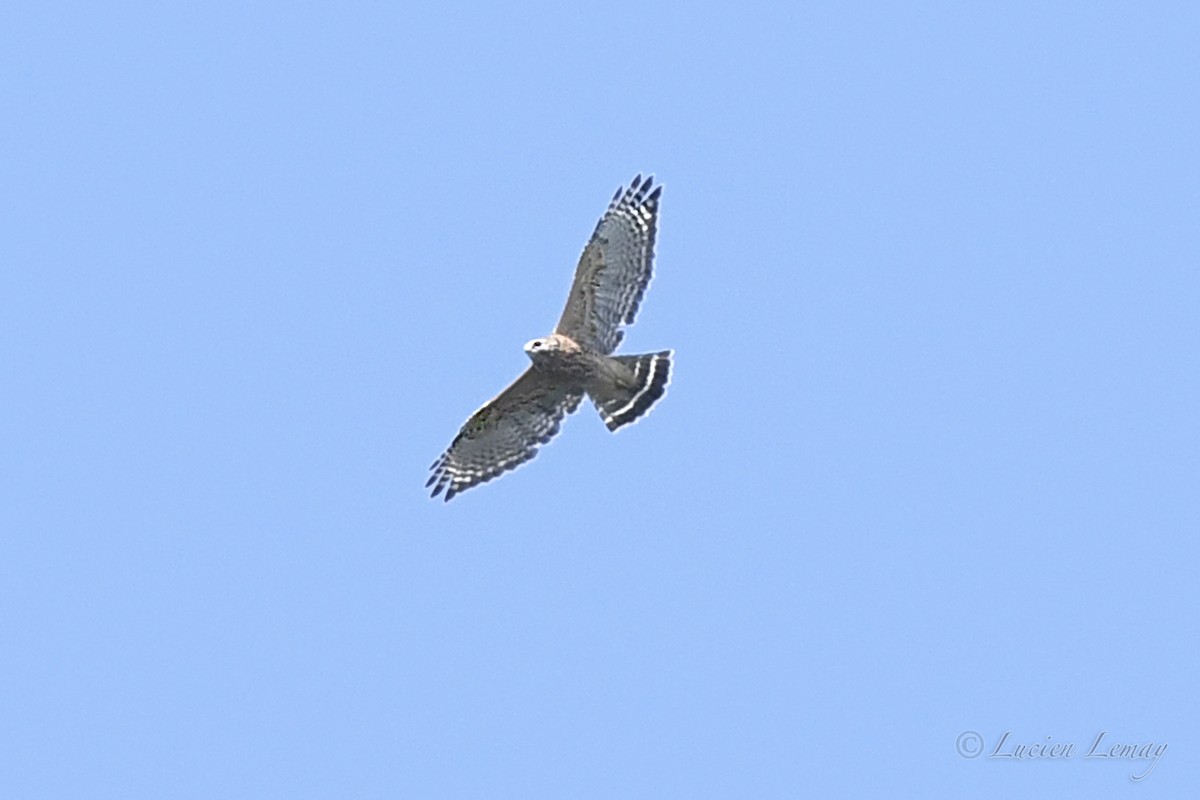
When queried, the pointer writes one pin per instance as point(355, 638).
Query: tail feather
point(620, 405)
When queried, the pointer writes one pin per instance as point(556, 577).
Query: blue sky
point(928, 465)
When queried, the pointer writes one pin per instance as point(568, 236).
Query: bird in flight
point(577, 358)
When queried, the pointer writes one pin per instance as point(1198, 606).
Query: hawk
point(576, 359)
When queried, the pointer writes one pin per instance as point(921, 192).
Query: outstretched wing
point(614, 269)
point(504, 434)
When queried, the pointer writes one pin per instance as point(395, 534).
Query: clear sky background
point(929, 463)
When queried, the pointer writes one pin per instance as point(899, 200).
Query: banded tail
point(620, 405)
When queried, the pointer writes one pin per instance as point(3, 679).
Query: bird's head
point(538, 347)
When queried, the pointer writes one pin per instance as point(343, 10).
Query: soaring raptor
point(576, 359)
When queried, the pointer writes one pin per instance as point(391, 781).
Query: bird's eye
point(536, 345)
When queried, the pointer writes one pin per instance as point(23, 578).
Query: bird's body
point(576, 359)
